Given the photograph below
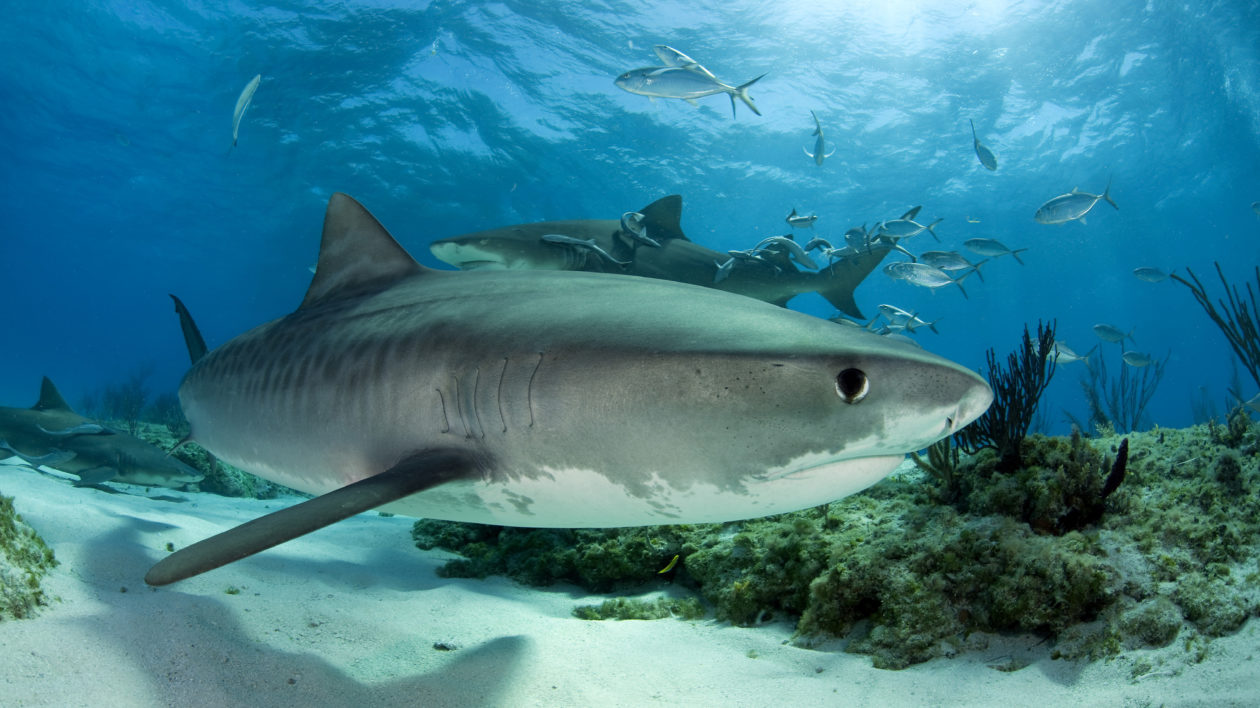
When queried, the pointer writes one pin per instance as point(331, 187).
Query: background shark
point(550, 399)
point(678, 259)
point(51, 433)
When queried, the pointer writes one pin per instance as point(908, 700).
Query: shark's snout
point(972, 405)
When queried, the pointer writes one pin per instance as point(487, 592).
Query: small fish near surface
point(684, 83)
point(242, 102)
point(483, 396)
point(1137, 359)
point(819, 144)
point(51, 433)
point(1071, 206)
point(986, 156)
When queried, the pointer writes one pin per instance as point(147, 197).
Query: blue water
point(120, 185)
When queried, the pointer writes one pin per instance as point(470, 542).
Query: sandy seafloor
point(350, 615)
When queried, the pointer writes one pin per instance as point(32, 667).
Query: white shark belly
point(580, 498)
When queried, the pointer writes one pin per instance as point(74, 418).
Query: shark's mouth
point(483, 264)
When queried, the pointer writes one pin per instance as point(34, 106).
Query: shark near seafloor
point(51, 433)
point(550, 399)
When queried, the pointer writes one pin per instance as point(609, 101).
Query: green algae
point(24, 560)
point(908, 570)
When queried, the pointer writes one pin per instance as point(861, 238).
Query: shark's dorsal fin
point(193, 340)
point(356, 254)
point(662, 218)
point(50, 398)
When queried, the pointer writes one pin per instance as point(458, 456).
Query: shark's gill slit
point(499, 394)
point(468, 407)
point(529, 391)
point(446, 419)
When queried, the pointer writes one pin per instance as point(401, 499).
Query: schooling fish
point(987, 158)
point(1113, 334)
point(819, 144)
point(801, 221)
point(684, 83)
point(242, 102)
point(992, 248)
point(1150, 275)
point(1073, 205)
point(672, 57)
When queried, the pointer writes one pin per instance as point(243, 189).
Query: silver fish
point(1113, 334)
point(800, 221)
point(987, 158)
point(242, 102)
point(792, 247)
point(904, 319)
point(1150, 275)
point(1137, 359)
point(587, 243)
point(680, 82)
point(923, 275)
point(633, 224)
point(819, 144)
point(905, 228)
point(672, 57)
point(1073, 205)
point(1255, 206)
point(950, 261)
point(992, 248)
point(1254, 403)
point(1063, 354)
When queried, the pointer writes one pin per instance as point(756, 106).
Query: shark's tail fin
point(742, 92)
point(192, 336)
point(837, 281)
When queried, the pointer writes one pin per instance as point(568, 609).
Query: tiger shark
point(549, 399)
point(51, 433)
point(677, 258)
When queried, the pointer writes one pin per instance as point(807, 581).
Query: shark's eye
point(852, 385)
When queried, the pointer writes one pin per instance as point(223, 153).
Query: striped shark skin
point(549, 399)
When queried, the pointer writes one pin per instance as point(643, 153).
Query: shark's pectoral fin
point(94, 476)
point(421, 471)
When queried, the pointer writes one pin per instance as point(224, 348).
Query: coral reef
point(906, 573)
point(1238, 319)
point(1017, 389)
point(24, 560)
point(220, 478)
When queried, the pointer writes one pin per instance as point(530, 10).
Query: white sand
point(348, 616)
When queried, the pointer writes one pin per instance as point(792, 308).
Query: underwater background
point(121, 184)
